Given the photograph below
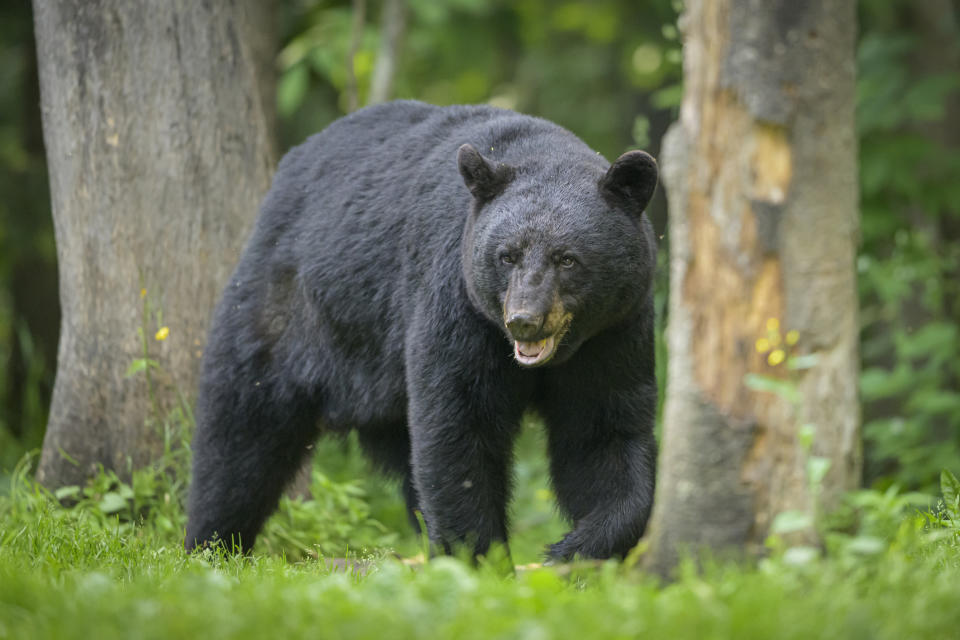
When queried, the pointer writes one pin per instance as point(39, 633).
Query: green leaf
point(799, 556)
point(70, 491)
point(878, 383)
point(140, 364)
point(667, 97)
point(805, 436)
point(931, 339)
point(790, 521)
point(935, 402)
point(925, 100)
point(112, 502)
point(797, 363)
point(866, 545)
point(782, 388)
point(292, 89)
point(817, 468)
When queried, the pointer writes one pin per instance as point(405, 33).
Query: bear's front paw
point(563, 551)
point(580, 544)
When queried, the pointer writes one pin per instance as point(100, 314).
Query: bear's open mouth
point(533, 353)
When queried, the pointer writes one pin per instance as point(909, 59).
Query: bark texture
point(761, 176)
point(158, 131)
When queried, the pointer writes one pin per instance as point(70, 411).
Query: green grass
point(112, 566)
point(72, 580)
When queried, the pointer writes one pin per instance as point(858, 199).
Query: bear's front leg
point(464, 414)
point(460, 470)
point(603, 464)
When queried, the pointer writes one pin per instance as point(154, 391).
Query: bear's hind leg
point(250, 442)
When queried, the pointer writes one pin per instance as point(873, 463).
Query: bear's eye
point(567, 261)
point(507, 258)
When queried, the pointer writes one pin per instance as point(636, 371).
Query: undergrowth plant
point(868, 521)
point(909, 264)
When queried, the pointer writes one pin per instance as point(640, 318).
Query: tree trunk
point(393, 23)
point(159, 140)
point(761, 176)
point(356, 39)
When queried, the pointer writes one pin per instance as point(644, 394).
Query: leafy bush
point(334, 520)
point(909, 264)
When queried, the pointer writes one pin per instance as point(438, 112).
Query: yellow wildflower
point(776, 357)
point(792, 337)
point(762, 345)
point(143, 293)
point(773, 324)
point(162, 333)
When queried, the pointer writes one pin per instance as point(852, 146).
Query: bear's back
point(380, 188)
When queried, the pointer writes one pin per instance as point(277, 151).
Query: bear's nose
point(524, 325)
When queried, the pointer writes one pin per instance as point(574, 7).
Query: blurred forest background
point(610, 71)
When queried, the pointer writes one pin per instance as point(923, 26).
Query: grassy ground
point(61, 582)
point(112, 567)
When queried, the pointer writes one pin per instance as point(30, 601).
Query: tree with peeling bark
point(158, 125)
point(761, 175)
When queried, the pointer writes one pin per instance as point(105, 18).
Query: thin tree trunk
point(761, 176)
point(356, 39)
point(160, 147)
point(392, 27)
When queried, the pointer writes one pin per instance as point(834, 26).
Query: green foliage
point(947, 517)
point(909, 265)
point(334, 521)
point(588, 65)
point(950, 487)
point(28, 309)
point(785, 389)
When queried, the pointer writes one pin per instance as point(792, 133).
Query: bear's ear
point(630, 181)
point(484, 178)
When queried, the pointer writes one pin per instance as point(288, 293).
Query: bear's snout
point(524, 325)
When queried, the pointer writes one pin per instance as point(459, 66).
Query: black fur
point(372, 296)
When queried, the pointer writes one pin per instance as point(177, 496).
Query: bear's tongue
point(531, 349)
point(528, 353)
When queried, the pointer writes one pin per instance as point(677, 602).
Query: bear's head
point(555, 252)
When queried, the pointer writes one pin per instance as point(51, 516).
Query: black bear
point(424, 275)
